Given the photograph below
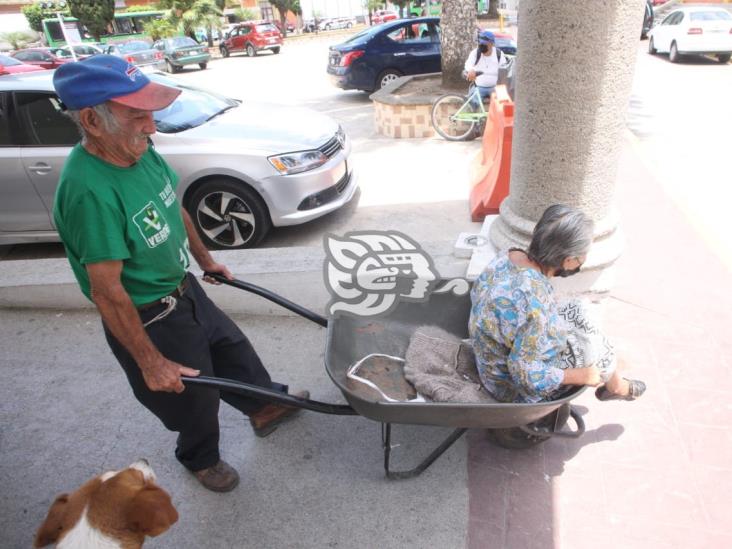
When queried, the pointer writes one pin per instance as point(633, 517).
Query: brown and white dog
point(115, 510)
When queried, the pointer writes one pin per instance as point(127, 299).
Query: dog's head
point(124, 505)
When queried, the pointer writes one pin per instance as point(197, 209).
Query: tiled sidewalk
point(647, 474)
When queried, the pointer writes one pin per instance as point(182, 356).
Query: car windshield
point(191, 108)
point(711, 16)
point(131, 47)
point(266, 27)
point(180, 42)
point(8, 61)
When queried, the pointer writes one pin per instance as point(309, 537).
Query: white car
point(693, 30)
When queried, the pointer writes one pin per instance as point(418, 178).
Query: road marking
point(347, 109)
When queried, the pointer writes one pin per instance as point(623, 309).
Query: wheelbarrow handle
point(269, 395)
point(271, 296)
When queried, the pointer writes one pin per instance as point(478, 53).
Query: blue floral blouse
point(516, 332)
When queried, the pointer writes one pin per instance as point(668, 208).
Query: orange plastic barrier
point(492, 165)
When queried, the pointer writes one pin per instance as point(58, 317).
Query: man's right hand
point(164, 375)
point(471, 76)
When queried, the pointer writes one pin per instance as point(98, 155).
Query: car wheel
point(275, 50)
point(723, 58)
point(387, 77)
point(349, 25)
point(203, 66)
point(225, 51)
point(651, 48)
point(228, 215)
point(169, 67)
point(251, 52)
point(673, 54)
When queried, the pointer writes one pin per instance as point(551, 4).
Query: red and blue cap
point(102, 78)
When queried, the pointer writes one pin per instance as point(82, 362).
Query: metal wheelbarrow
point(351, 338)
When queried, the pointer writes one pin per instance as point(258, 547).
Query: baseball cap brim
point(152, 97)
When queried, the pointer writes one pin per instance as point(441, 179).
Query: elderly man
point(128, 241)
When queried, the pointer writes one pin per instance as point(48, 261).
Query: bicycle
point(455, 117)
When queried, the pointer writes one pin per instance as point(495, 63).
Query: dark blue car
point(378, 55)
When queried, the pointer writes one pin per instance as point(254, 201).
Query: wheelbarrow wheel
point(514, 438)
point(517, 438)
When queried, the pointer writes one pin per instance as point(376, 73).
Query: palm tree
point(192, 14)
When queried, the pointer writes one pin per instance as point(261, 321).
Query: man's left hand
point(216, 268)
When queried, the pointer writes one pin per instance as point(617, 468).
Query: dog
point(115, 510)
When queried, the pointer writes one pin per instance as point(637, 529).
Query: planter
point(403, 109)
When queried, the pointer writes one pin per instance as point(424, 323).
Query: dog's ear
point(50, 530)
point(151, 512)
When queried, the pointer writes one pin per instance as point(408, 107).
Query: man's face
point(487, 48)
point(130, 138)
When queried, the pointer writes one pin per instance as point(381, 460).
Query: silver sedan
point(243, 166)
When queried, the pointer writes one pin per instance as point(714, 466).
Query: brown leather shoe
point(221, 477)
point(271, 416)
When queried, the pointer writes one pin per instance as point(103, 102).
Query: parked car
point(41, 57)
point(243, 166)
point(290, 27)
point(139, 53)
point(505, 42)
point(378, 55)
point(343, 23)
point(10, 65)
point(81, 50)
point(325, 24)
point(252, 37)
point(693, 30)
point(383, 16)
point(648, 17)
point(180, 51)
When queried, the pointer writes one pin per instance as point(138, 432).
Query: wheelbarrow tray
point(351, 338)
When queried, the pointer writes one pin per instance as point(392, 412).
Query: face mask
point(564, 273)
point(483, 48)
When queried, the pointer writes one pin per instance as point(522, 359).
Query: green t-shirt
point(105, 212)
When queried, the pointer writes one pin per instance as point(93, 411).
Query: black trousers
point(199, 335)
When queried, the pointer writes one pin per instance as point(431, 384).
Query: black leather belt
point(179, 291)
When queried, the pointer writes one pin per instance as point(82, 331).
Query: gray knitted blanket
point(442, 367)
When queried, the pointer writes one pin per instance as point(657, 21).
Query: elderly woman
point(528, 347)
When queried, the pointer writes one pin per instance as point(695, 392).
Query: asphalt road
point(679, 113)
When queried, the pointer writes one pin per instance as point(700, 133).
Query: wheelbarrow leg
point(429, 460)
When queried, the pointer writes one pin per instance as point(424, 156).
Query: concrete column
point(574, 76)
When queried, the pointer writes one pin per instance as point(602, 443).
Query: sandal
point(635, 389)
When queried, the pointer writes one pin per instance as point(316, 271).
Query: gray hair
point(105, 114)
point(562, 232)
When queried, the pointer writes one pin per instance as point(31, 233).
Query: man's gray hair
point(105, 114)
point(562, 232)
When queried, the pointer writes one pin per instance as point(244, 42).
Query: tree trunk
point(458, 38)
point(209, 36)
point(283, 22)
point(493, 9)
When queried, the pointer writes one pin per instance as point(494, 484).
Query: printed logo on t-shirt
point(152, 225)
point(167, 195)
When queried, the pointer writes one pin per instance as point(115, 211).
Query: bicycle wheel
point(446, 121)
